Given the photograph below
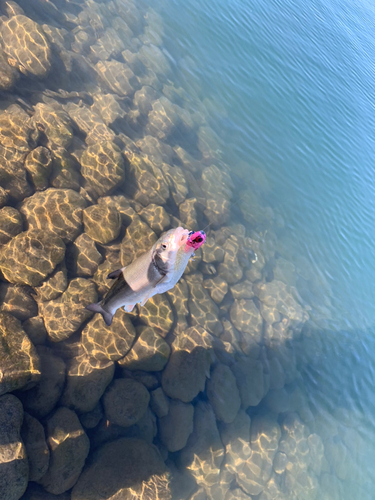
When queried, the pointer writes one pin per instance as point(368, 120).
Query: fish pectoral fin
point(115, 274)
point(129, 307)
point(144, 300)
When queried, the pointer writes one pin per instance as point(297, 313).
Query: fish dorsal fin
point(115, 274)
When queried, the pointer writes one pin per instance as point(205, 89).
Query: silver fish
point(155, 271)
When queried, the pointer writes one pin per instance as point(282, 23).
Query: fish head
point(168, 245)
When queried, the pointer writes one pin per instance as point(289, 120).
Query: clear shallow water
point(292, 84)
point(295, 82)
point(288, 89)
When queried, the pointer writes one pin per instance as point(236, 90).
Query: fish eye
point(163, 245)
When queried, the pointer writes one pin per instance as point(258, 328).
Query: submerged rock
point(246, 317)
point(64, 315)
point(176, 427)
point(18, 301)
point(87, 379)
point(157, 314)
point(125, 402)
point(56, 125)
point(85, 256)
point(69, 447)
point(33, 436)
point(223, 394)
point(26, 45)
point(10, 224)
point(112, 342)
point(149, 353)
point(184, 377)
point(19, 360)
point(14, 467)
point(56, 212)
point(102, 167)
point(30, 257)
point(204, 451)
point(41, 399)
point(124, 468)
point(102, 223)
point(38, 163)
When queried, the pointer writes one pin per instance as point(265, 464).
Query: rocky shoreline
point(194, 396)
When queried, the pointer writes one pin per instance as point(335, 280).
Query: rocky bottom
point(197, 395)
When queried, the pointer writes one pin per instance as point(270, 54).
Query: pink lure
point(196, 239)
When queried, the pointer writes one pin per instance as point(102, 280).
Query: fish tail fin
point(97, 308)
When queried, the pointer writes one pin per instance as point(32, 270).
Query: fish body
point(155, 271)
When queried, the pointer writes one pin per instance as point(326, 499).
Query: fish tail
point(97, 308)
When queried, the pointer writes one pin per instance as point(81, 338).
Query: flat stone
point(112, 342)
point(30, 257)
point(14, 467)
point(32, 433)
point(64, 315)
point(41, 399)
point(56, 212)
point(125, 402)
point(19, 361)
point(11, 224)
point(123, 468)
point(102, 223)
point(243, 290)
point(223, 393)
point(69, 447)
point(86, 381)
point(149, 353)
point(176, 427)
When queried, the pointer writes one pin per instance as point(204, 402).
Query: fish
point(155, 271)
